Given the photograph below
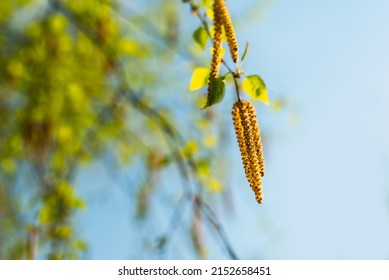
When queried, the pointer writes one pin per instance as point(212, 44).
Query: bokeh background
point(106, 155)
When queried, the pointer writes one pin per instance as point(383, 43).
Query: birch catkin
point(217, 47)
point(230, 32)
point(249, 140)
point(217, 40)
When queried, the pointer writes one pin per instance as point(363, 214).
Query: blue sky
point(327, 177)
point(327, 183)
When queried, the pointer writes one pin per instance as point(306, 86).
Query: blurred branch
point(32, 242)
point(211, 217)
point(152, 30)
point(173, 225)
point(172, 132)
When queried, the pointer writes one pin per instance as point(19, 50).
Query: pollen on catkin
point(249, 141)
point(217, 40)
point(230, 32)
point(257, 139)
point(217, 46)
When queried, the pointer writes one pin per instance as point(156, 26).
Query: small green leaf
point(199, 78)
point(256, 88)
point(215, 91)
point(201, 37)
point(246, 50)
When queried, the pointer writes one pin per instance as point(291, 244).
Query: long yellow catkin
point(249, 140)
point(217, 40)
point(230, 32)
point(217, 46)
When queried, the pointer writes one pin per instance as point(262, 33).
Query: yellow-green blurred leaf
point(215, 185)
point(190, 148)
point(81, 245)
point(64, 133)
point(210, 141)
point(206, 3)
point(209, 13)
point(63, 231)
point(255, 87)
point(201, 37)
point(57, 23)
point(199, 78)
point(278, 104)
point(15, 69)
point(76, 94)
point(203, 168)
point(8, 165)
point(129, 47)
point(45, 214)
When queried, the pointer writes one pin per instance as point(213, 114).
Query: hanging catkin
point(217, 39)
point(257, 138)
point(229, 28)
point(249, 140)
point(217, 47)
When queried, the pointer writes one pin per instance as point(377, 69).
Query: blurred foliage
point(80, 80)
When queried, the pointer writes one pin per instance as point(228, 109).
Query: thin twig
point(174, 223)
point(208, 213)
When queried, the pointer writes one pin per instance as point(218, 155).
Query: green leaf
point(256, 88)
point(201, 37)
point(199, 78)
point(246, 50)
point(215, 91)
